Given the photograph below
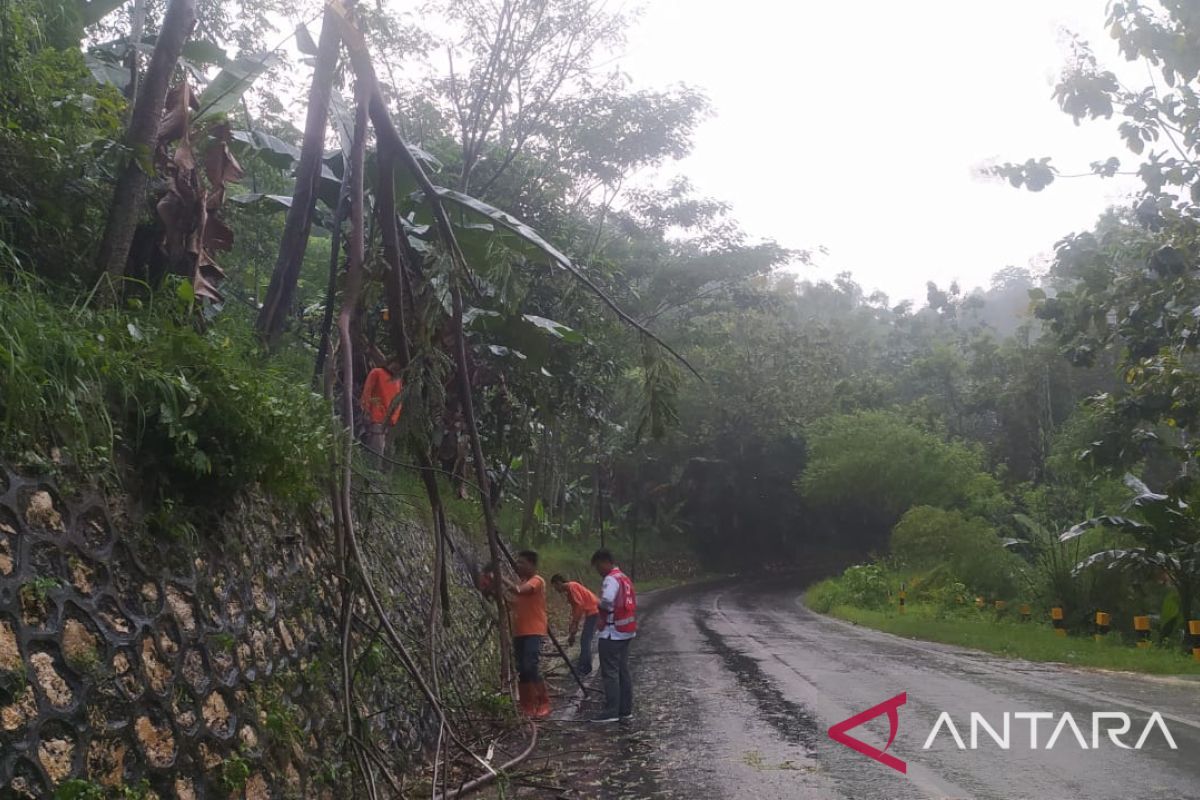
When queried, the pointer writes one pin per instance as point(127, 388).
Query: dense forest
point(215, 218)
point(768, 431)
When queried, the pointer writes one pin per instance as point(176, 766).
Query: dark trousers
point(378, 434)
point(585, 644)
point(614, 672)
point(528, 652)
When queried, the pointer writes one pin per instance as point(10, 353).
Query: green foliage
point(967, 548)
point(12, 686)
point(1170, 620)
point(58, 148)
point(225, 642)
point(861, 586)
point(1054, 580)
point(1160, 537)
point(495, 704)
point(373, 659)
point(660, 380)
point(85, 660)
point(195, 411)
point(234, 772)
point(279, 716)
point(1157, 34)
point(79, 789)
point(941, 590)
point(139, 791)
point(40, 587)
point(1126, 293)
point(822, 596)
point(879, 460)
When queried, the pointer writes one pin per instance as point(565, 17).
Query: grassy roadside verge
point(1028, 640)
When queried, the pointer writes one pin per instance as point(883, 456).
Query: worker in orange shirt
point(379, 393)
point(585, 609)
point(530, 626)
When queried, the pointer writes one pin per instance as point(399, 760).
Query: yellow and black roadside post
point(903, 595)
point(1141, 628)
point(1001, 606)
point(979, 602)
point(1103, 622)
point(1194, 635)
point(1060, 624)
point(1026, 612)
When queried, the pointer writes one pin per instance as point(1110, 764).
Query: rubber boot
point(527, 698)
point(541, 697)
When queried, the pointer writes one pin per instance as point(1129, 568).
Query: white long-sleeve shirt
point(608, 598)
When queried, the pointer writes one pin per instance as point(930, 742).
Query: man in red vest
point(378, 397)
point(617, 626)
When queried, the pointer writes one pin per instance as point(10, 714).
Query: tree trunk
point(356, 248)
point(137, 27)
point(393, 281)
point(594, 510)
point(532, 476)
point(298, 224)
point(493, 532)
point(633, 563)
point(335, 252)
point(141, 138)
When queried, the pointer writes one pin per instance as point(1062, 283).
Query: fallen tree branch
point(378, 759)
point(395, 284)
point(349, 538)
point(386, 133)
point(487, 778)
point(620, 312)
point(354, 282)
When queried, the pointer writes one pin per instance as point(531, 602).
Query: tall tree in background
point(130, 192)
point(524, 56)
point(282, 289)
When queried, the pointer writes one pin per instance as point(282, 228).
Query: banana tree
point(178, 137)
point(1054, 559)
point(1163, 536)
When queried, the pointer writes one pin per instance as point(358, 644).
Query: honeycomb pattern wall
point(206, 666)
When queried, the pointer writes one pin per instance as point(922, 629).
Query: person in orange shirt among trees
point(530, 626)
point(382, 386)
point(585, 608)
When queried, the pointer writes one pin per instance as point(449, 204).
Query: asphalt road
point(738, 685)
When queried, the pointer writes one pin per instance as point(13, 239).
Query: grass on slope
point(570, 558)
point(1028, 640)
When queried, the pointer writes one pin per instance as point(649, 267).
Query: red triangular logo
point(889, 707)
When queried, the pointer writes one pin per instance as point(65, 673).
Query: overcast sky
point(857, 126)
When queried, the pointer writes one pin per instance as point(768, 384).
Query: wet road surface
point(737, 686)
